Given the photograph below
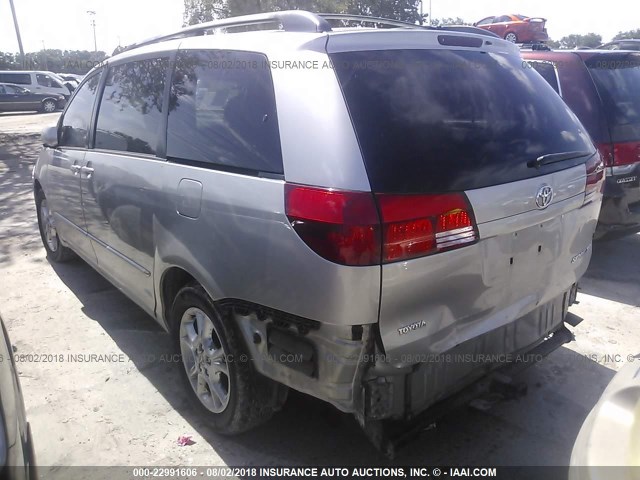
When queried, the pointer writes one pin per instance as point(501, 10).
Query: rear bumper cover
point(621, 202)
point(408, 392)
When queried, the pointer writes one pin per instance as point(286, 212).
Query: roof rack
point(290, 20)
point(297, 21)
point(366, 19)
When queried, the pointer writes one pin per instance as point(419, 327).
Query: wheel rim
point(49, 106)
point(511, 37)
point(48, 227)
point(204, 360)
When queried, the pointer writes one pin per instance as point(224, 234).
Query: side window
point(548, 72)
point(17, 78)
point(222, 111)
point(502, 19)
point(486, 21)
point(77, 117)
point(2, 92)
point(130, 114)
point(43, 80)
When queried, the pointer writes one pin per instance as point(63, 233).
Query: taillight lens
point(618, 154)
point(340, 226)
point(595, 174)
point(344, 227)
point(418, 225)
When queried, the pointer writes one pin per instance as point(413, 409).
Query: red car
point(516, 28)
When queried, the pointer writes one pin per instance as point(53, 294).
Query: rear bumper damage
point(346, 367)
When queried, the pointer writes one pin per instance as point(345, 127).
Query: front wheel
point(49, 106)
point(48, 232)
point(217, 371)
point(511, 37)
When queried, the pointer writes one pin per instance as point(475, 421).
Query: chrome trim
point(454, 232)
point(135, 265)
point(456, 242)
point(460, 236)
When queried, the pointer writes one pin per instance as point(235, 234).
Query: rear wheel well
point(172, 281)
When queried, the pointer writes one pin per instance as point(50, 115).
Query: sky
point(65, 24)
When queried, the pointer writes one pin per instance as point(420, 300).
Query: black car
point(16, 446)
point(601, 87)
point(628, 44)
point(14, 98)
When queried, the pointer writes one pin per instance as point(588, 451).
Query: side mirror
point(25, 91)
point(49, 137)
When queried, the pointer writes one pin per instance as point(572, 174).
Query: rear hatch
point(449, 138)
point(617, 78)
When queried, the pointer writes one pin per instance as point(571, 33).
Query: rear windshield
point(617, 77)
point(446, 120)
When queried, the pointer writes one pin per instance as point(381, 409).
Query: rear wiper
point(555, 158)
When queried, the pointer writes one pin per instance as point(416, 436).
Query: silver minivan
point(375, 217)
point(36, 82)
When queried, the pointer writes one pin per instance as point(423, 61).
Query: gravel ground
point(126, 407)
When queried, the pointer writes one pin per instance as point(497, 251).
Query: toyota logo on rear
point(544, 196)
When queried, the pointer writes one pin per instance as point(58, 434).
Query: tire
point(49, 106)
point(56, 251)
point(232, 395)
point(511, 37)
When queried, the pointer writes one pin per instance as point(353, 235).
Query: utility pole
point(430, 17)
point(44, 52)
point(92, 22)
point(15, 23)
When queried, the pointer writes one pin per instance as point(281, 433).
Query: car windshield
point(521, 17)
point(617, 77)
point(446, 120)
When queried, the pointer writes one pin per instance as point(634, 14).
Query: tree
point(61, 61)
point(198, 11)
point(575, 40)
point(626, 35)
point(437, 22)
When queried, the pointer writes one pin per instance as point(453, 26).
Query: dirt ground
point(125, 406)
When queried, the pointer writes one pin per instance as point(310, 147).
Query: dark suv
point(603, 90)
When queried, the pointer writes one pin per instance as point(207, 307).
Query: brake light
point(595, 175)
point(618, 154)
point(340, 226)
point(344, 227)
point(418, 225)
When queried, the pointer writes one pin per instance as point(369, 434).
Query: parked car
point(331, 211)
point(17, 459)
point(16, 98)
point(612, 421)
point(628, 44)
point(516, 28)
point(601, 87)
point(36, 81)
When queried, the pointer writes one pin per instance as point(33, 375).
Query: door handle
point(88, 171)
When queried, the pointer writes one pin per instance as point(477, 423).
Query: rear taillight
point(418, 225)
point(595, 175)
point(340, 226)
point(345, 227)
point(618, 154)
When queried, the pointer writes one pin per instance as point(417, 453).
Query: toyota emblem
point(544, 196)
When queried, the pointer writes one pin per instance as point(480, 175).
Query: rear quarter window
point(17, 78)
point(447, 120)
point(548, 72)
point(222, 112)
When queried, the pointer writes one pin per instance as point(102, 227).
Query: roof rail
point(468, 29)
point(290, 20)
point(366, 19)
point(297, 21)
